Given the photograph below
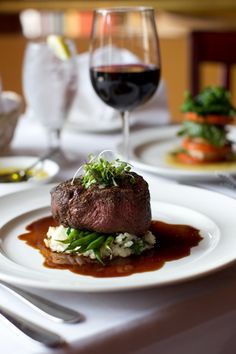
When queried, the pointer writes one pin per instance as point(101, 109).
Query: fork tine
point(227, 179)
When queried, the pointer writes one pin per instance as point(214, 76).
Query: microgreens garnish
point(103, 172)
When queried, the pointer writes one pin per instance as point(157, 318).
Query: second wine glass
point(124, 60)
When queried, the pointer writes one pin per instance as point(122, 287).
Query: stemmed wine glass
point(124, 60)
point(49, 84)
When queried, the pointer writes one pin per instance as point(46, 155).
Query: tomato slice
point(190, 144)
point(184, 157)
point(208, 119)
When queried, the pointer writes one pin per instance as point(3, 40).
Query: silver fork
point(227, 179)
point(46, 307)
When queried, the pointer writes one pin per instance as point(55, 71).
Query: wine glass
point(124, 60)
point(49, 84)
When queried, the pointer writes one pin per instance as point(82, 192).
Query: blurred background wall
point(176, 19)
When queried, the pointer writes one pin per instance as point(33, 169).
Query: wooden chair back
point(215, 47)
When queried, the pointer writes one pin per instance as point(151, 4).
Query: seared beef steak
point(111, 209)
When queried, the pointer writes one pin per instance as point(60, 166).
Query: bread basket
point(11, 108)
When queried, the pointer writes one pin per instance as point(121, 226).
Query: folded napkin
point(89, 111)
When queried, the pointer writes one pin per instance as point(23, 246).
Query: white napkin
point(89, 111)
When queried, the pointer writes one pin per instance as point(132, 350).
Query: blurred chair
point(209, 46)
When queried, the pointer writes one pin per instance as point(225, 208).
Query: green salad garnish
point(99, 170)
point(214, 134)
point(211, 100)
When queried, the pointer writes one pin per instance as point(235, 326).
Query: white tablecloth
point(194, 317)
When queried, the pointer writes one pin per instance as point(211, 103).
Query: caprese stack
point(204, 128)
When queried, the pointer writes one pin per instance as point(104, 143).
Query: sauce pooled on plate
point(172, 242)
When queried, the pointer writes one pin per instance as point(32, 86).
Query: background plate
point(149, 149)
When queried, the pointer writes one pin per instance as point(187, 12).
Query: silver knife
point(36, 332)
point(46, 307)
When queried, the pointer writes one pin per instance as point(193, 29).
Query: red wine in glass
point(124, 87)
point(124, 60)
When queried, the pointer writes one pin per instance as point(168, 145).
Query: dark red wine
point(125, 87)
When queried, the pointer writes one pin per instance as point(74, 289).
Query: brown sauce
point(173, 242)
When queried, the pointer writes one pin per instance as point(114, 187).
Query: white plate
point(149, 148)
point(21, 264)
point(50, 167)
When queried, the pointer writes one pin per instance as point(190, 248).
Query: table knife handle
point(50, 309)
point(36, 332)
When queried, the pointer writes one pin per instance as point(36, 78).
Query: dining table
point(192, 316)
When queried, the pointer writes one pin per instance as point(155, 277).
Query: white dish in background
point(21, 264)
point(50, 167)
point(149, 148)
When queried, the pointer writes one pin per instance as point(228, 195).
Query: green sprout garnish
point(105, 173)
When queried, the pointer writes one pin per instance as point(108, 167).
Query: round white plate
point(50, 167)
point(21, 264)
point(149, 148)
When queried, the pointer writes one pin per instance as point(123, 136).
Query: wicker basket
point(8, 120)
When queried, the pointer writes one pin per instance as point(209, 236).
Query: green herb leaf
point(211, 100)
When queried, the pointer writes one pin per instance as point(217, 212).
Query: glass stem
point(54, 138)
point(125, 127)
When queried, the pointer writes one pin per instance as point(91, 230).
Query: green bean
point(82, 241)
point(97, 243)
point(98, 256)
point(68, 230)
point(73, 236)
point(108, 242)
